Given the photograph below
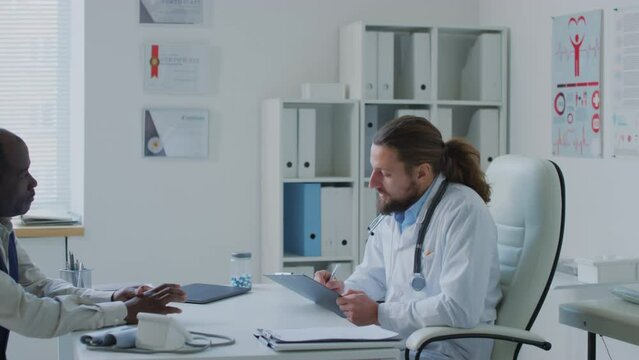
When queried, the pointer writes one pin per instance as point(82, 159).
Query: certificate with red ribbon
point(176, 69)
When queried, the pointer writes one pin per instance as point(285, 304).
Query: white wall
point(601, 193)
point(179, 220)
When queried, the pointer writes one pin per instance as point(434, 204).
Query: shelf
point(48, 231)
point(319, 180)
point(469, 103)
point(399, 102)
point(288, 258)
point(319, 101)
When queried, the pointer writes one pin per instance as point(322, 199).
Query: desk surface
point(614, 318)
point(266, 306)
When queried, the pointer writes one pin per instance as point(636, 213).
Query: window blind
point(35, 90)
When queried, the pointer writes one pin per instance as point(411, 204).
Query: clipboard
point(310, 289)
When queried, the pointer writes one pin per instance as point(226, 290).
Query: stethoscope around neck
point(418, 282)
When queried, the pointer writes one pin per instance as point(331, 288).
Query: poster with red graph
point(576, 85)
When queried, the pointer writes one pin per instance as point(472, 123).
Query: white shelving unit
point(334, 144)
point(455, 77)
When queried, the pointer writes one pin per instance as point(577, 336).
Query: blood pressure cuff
point(122, 337)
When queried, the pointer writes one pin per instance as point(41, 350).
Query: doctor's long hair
point(417, 141)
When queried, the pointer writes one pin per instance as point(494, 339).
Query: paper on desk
point(370, 332)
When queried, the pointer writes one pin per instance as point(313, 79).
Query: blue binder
point(302, 223)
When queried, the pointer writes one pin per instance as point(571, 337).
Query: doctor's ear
point(424, 170)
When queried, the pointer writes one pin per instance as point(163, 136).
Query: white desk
point(614, 318)
point(266, 306)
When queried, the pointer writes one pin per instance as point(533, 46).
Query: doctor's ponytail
point(417, 142)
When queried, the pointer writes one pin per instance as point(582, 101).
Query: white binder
point(369, 207)
point(483, 132)
point(385, 65)
point(327, 203)
point(481, 75)
point(420, 64)
point(444, 122)
point(371, 117)
point(343, 225)
point(337, 221)
point(370, 65)
point(289, 143)
point(306, 143)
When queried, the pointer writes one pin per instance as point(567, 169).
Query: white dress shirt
point(459, 263)
point(42, 307)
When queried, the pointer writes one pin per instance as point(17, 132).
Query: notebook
point(198, 293)
point(310, 289)
point(325, 338)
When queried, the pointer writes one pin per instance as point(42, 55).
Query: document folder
point(289, 143)
point(310, 289)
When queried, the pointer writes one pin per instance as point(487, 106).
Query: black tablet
point(205, 293)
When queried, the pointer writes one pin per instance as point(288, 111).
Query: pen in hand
point(333, 272)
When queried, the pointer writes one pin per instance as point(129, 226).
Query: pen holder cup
point(77, 278)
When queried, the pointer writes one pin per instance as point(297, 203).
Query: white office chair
point(528, 206)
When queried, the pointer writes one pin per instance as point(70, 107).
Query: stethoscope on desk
point(418, 282)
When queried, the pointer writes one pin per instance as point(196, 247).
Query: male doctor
point(452, 278)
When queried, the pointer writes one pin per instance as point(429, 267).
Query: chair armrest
point(422, 337)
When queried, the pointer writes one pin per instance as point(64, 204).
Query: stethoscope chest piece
point(418, 283)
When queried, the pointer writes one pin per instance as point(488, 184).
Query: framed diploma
point(171, 11)
point(182, 133)
point(176, 69)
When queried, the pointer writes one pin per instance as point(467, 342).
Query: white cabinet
point(454, 77)
point(457, 78)
point(309, 208)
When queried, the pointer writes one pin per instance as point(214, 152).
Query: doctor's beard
point(399, 205)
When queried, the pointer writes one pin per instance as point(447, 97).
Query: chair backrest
point(528, 206)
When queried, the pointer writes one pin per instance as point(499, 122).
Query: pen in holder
point(75, 273)
point(79, 278)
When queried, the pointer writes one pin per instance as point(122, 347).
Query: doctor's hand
point(358, 308)
point(154, 301)
point(324, 277)
point(130, 292)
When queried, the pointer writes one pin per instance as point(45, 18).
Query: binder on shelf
point(385, 65)
point(444, 122)
point(306, 143)
point(327, 205)
point(289, 143)
point(420, 60)
point(371, 118)
point(302, 232)
point(369, 207)
point(342, 231)
point(483, 133)
point(412, 70)
point(370, 65)
point(337, 221)
point(481, 75)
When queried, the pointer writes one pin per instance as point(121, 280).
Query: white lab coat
point(459, 263)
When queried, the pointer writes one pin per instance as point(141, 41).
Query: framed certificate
point(176, 133)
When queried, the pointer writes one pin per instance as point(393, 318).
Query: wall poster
point(576, 85)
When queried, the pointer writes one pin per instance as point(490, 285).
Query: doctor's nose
point(375, 181)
